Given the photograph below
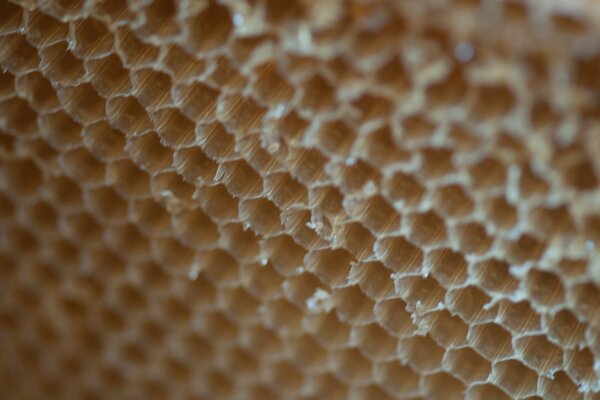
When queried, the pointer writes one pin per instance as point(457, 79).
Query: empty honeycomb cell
point(379, 148)
point(84, 167)
point(63, 192)
point(306, 165)
point(525, 248)
point(375, 213)
point(128, 179)
point(559, 387)
point(373, 278)
point(218, 203)
point(284, 317)
point(487, 174)
point(317, 95)
point(515, 378)
point(127, 115)
point(397, 379)
point(12, 16)
point(472, 238)
point(83, 103)
point(44, 30)
point(241, 242)
point(241, 179)
point(448, 91)
point(211, 28)
point(106, 204)
point(446, 329)
point(358, 176)
point(426, 228)
point(447, 266)
point(501, 213)
point(21, 176)
point(193, 165)
point(375, 343)
point(181, 65)
point(372, 107)
point(470, 303)
point(108, 76)
point(216, 142)
point(151, 217)
point(494, 275)
point(415, 128)
point(128, 240)
point(42, 216)
point(436, 163)
point(60, 131)
point(38, 91)
point(539, 353)
point(151, 87)
point(286, 377)
point(90, 38)
point(351, 367)
point(308, 355)
point(285, 255)
point(284, 190)
point(263, 281)
point(197, 101)
point(421, 353)
point(83, 228)
point(331, 265)
point(356, 239)
point(240, 305)
point(442, 385)
point(579, 365)
point(160, 19)
point(491, 341)
point(393, 316)
point(148, 153)
point(399, 255)
point(60, 65)
point(220, 267)
point(335, 138)
point(174, 128)
point(240, 114)
point(18, 118)
point(172, 254)
point(586, 298)
point(403, 188)
point(17, 55)
point(352, 306)
point(328, 330)
point(270, 87)
point(492, 101)
point(486, 391)
point(566, 329)
point(465, 364)
point(132, 51)
point(453, 202)
point(421, 294)
point(262, 216)
point(545, 288)
point(530, 183)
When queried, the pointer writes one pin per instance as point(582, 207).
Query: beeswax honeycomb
point(299, 199)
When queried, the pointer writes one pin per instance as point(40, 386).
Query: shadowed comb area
point(300, 199)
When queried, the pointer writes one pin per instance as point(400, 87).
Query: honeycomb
point(299, 199)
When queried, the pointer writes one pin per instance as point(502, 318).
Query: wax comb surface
point(299, 199)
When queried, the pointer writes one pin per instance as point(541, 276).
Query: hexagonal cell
point(218, 203)
point(403, 188)
point(420, 294)
point(108, 76)
point(306, 165)
point(160, 19)
point(211, 28)
point(351, 367)
point(524, 249)
point(375, 343)
point(241, 242)
point(399, 255)
point(492, 101)
point(449, 90)
point(284, 317)
point(148, 153)
point(579, 365)
point(531, 184)
point(62, 192)
point(426, 228)
point(331, 265)
point(90, 38)
point(128, 179)
point(307, 354)
point(106, 204)
point(545, 288)
point(175, 129)
point(559, 387)
point(151, 217)
point(317, 95)
point(225, 74)
point(263, 281)
point(240, 305)
point(285, 255)
point(127, 240)
point(18, 56)
point(443, 386)
point(240, 114)
point(472, 238)
point(566, 329)
point(220, 267)
point(501, 213)
point(516, 379)
point(328, 330)
point(539, 353)
point(373, 278)
point(467, 365)
point(197, 101)
point(270, 86)
point(375, 213)
point(194, 166)
point(519, 317)
point(43, 30)
point(356, 239)
point(284, 190)
point(38, 91)
point(151, 87)
point(262, 216)
point(470, 303)
point(181, 65)
point(132, 51)
point(486, 391)
point(493, 275)
point(195, 228)
point(446, 329)
point(327, 386)
point(491, 341)
point(551, 221)
point(18, 118)
point(22, 177)
point(83, 103)
point(397, 379)
point(421, 353)
point(216, 142)
point(452, 201)
point(447, 266)
point(240, 179)
point(59, 130)
point(586, 297)
point(352, 306)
